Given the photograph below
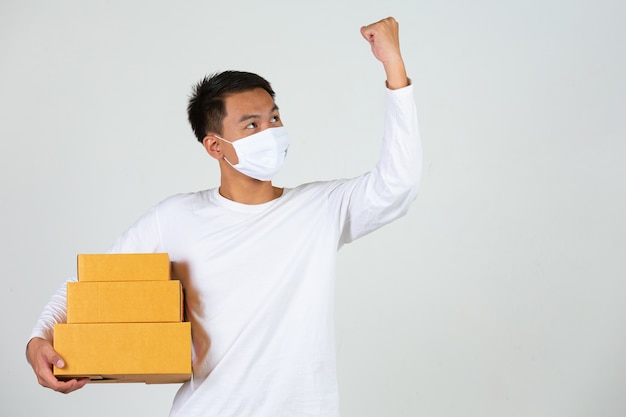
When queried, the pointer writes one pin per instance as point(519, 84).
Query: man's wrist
point(396, 74)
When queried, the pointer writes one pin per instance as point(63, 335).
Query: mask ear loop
point(228, 162)
point(220, 138)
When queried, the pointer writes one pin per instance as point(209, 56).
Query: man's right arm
point(141, 237)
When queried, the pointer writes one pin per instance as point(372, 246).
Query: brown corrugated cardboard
point(125, 352)
point(124, 267)
point(124, 302)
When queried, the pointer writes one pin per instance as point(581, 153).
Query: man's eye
point(251, 126)
point(275, 119)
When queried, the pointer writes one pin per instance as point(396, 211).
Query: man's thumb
point(56, 360)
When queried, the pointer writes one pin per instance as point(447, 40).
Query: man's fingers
point(366, 33)
point(44, 372)
point(66, 387)
point(383, 38)
point(47, 379)
point(370, 30)
point(43, 357)
point(44, 369)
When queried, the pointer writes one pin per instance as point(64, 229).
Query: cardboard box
point(153, 353)
point(124, 302)
point(124, 267)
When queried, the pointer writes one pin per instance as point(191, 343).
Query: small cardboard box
point(124, 267)
point(124, 302)
point(154, 353)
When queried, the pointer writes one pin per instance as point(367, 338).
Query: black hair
point(206, 109)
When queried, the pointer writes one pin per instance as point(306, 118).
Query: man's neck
point(249, 191)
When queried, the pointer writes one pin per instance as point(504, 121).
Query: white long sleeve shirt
point(260, 288)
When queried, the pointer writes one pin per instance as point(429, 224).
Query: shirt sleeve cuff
point(401, 88)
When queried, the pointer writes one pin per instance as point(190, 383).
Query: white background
point(501, 293)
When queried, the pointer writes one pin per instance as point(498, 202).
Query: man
point(261, 259)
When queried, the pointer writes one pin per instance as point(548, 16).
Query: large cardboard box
point(124, 302)
point(124, 267)
point(125, 352)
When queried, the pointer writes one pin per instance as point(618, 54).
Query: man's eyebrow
point(256, 116)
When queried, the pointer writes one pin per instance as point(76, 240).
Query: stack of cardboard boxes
point(124, 322)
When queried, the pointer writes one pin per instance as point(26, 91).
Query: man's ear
point(213, 146)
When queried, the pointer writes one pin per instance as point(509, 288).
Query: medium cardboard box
point(124, 267)
point(124, 302)
point(153, 353)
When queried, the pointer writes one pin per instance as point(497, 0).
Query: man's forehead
point(255, 97)
point(257, 101)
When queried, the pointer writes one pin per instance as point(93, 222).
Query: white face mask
point(262, 154)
